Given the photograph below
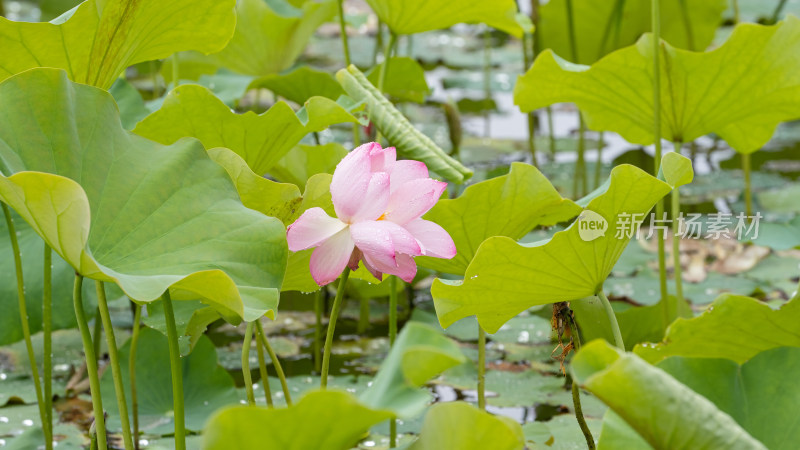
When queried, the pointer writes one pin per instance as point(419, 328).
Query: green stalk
point(262, 370)
point(487, 81)
point(735, 11)
point(387, 56)
point(98, 331)
point(676, 243)
point(612, 319)
point(598, 167)
point(580, 164)
point(531, 122)
point(91, 363)
point(662, 263)
point(248, 379)
point(116, 372)
point(363, 316)
point(176, 80)
point(378, 43)
point(392, 337)
point(346, 51)
point(137, 321)
point(276, 363)
point(551, 132)
point(481, 368)
point(23, 316)
point(777, 13)
point(337, 305)
point(176, 367)
point(748, 192)
point(47, 331)
point(576, 393)
point(573, 43)
point(318, 330)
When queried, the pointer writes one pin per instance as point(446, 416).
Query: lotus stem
point(116, 372)
point(551, 130)
point(481, 368)
point(248, 379)
point(262, 371)
point(775, 14)
point(531, 118)
point(655, 7)
point(337, 305)
point(47, 358)
point(276, 363)
point(318, 330)
point(612, 319)
point(487, 81)
point(598, 167)
point(676, 244)
point(387, 56)
point(23, 317)
point(176, 79)
point(177, 372)
point(748, 192)
point(579, 181)
point(137, 321)
point(576, 393)
point(363, 316)
point(392, 338)
point(97, 333)
point(346, 51)
point(91, 363)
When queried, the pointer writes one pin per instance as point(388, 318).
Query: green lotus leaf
point(261, 140)
point(740, 91)
point(300, 84)
point(130, 102)
point(417, 16)
point(265, 196)
point(207, 386)
point(718, 333)
point(405, 79)
point(63, 279)
point(762, 394)
point(604, 26)
point(304, 161)
point(329, 420)
point(122, 209)
point(465, 427)
point(270, 35)
point(676, 169)
point(506, 278)
point(409, 141)
point(510, 205)
point(665, 412)
point(420, 353)
point(97, 40)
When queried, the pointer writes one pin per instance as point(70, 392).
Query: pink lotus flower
point(378, 202)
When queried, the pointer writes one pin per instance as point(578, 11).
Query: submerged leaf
point(718, 332)
point(665, 412)
point(410, 142)
point(510, 205)
point(329, 420)
point(740, 91)
point(460, 425)
point(417, 16)
point(97, 40)
point(506, 278)
point(261, 140)
point(122, 209)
